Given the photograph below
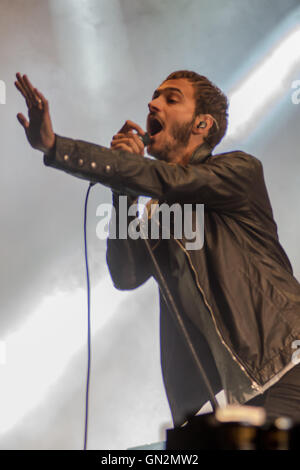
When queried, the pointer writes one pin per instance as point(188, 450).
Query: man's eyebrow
point(167, 89)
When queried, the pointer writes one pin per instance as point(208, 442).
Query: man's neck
point(191, 153)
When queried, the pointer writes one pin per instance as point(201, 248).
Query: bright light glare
point(38, 353)
point(95, 32)
point(264, 84)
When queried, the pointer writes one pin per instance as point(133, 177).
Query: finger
point(41, 99)
point(130, 134)
point(138, 142)
point(31, 100)
point(119, 136)
point(21, 89)
point(115, 143)
point(23, 121)
point(27, 84)
point(125, 140)
point(130, 125)
point(128, 142)
point(23, 86)
point(123, 147)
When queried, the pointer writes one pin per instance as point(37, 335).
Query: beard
point(179, 136)
point(181, 132)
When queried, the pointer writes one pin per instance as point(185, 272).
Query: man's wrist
point(51, 150)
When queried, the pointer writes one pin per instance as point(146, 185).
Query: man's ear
point(202, 124)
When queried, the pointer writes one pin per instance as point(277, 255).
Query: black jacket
point(242, 272)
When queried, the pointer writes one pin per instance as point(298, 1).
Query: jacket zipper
point(254, 384)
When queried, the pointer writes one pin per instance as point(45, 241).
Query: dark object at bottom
point(205, 432)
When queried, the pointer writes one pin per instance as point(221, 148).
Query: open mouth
point(155, 126)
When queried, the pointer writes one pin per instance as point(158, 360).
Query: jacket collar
point(201, 153)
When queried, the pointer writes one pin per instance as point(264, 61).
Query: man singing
point(236, 295)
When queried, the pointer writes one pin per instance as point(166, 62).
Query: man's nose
point(154, 105)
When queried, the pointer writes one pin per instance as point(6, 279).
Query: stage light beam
point(264, 85)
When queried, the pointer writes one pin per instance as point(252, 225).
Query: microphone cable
point(88, 321)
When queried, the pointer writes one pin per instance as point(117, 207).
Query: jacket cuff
point(88, 161)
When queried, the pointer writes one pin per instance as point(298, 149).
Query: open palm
point(38, 129)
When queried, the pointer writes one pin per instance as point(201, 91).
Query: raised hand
point(38, 129)
point(127, 139)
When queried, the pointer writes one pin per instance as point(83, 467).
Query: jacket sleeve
point(128, 261)
point(222, 182)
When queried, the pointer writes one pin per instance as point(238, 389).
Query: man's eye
point(172, 100)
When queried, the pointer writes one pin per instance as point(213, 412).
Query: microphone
point(145, 139)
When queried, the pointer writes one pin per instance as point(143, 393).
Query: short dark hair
point(209, 100)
